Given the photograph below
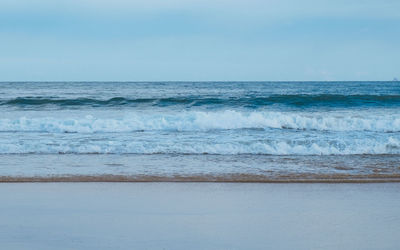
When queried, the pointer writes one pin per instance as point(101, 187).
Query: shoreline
point(240, 178)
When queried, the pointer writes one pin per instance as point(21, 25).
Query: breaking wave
point(389, 145)
point(203, 121)
point(300, 100)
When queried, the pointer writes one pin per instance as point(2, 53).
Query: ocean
point(200, 131)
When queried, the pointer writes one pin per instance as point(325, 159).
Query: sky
point(193, 40)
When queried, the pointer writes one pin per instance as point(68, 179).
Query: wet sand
point(225, 178)
point(199, 216)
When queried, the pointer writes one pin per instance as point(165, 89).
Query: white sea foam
point(112, 145)
point(203, 121)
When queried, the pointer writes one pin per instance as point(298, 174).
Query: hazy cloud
point(199, 40)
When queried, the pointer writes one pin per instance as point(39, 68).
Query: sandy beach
point(199, 216)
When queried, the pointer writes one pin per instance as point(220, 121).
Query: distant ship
point(395, 79)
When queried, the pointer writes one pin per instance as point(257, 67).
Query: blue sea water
point(209, 129)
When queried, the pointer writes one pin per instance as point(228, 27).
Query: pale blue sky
point(155, 40)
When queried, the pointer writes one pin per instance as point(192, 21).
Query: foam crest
point(390, 145)
point(203, 121)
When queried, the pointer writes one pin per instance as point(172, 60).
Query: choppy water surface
point(264, 130)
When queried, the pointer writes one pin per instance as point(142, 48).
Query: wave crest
point(300, 100)
point(203, 121)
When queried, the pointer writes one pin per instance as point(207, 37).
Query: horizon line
point(187, 81)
